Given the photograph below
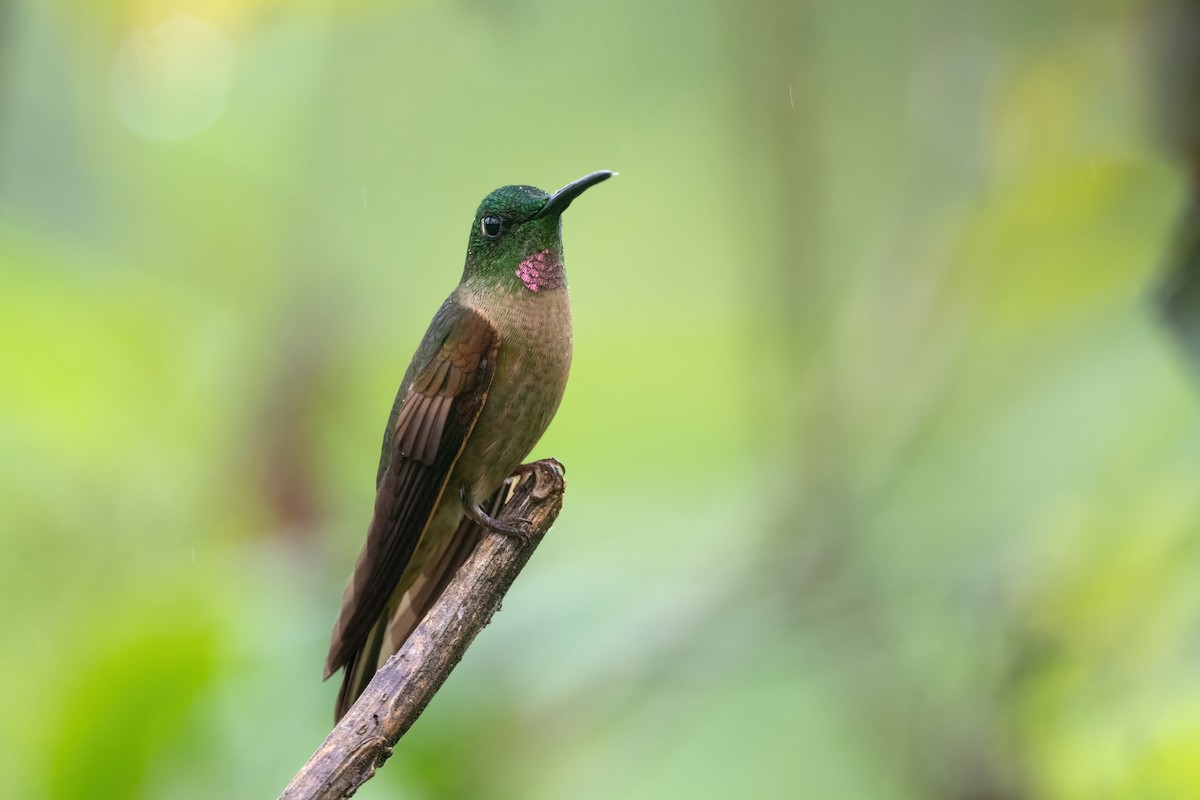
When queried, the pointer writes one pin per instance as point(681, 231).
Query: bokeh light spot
point(171, 81)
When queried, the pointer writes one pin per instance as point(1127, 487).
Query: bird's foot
point(540, 491)
point(521, 529)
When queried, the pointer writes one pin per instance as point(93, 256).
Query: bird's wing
point(445, 389)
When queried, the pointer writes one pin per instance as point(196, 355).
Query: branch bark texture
point(362, 741)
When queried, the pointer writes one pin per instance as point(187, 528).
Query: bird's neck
point(514, 308)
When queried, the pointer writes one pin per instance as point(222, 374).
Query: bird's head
point(516, 237)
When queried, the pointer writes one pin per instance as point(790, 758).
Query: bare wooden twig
point(399, 692)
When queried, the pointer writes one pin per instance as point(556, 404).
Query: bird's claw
point(521, 528)
point(541, 489)
point(517, 527)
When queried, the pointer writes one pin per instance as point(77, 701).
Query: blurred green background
point(882, 473)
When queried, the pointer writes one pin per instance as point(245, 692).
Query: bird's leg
point(522, 529)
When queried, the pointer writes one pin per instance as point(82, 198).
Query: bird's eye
point(490, 226)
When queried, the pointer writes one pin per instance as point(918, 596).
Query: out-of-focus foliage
point(882, 476)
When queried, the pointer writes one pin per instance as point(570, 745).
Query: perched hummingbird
point(481, 389)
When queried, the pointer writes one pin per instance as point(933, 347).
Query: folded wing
point(440, 399)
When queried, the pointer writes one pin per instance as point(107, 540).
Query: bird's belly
point(531, 375)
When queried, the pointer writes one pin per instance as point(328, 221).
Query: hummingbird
point(482, 387)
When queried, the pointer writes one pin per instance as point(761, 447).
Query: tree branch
point(402, 687)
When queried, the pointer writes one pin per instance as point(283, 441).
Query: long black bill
point(559, 201)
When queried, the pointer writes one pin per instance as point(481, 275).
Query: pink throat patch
point(541, 271)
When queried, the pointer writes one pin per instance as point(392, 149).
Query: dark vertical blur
point(1173, 51)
